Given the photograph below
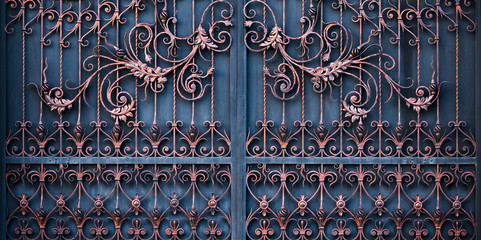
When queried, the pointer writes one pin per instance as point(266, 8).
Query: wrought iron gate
point(260, 119)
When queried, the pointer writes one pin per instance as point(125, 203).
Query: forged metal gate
point(260, 119)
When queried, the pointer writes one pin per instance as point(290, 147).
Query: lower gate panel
point(360, 201)
point(131, 201)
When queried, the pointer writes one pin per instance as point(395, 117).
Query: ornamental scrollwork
point(357, 103)
point(359, 69)
point(142, 38)
point(132, 202)
point(338, 201)
point(124, 63)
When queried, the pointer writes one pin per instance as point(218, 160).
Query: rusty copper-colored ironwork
point(360, 202)
point(368, 64)
point(344, 101)
point(118, 201)
point(149, 57)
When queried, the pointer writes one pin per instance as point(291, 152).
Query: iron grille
point(360, 79)
point(256, 119)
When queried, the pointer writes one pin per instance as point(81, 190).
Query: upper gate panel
point(116, 78)
point(374, 78)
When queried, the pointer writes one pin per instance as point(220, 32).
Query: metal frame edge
point(3, 113)
point(478, 116)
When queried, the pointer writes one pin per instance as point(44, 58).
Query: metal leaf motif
point(58, 104)
point(122, 113)
point(353, 112)
point(273, 39)
point(148, 74)
point(203, 40)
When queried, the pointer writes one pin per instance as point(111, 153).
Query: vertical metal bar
point(321, 96)
point(379, 127)
point(42, 44)
point(212, 65)
point(238, 120)
point(23, 78)
point(79, 21)
point(456, 26)
point(341, 49)
point(418, 77)
point(154, 121)
point(61, 46)
point(193, 62)
point(136, 92)
point(398, 39)
point(302, 85)
point(174, 85)
point(478, 118)
point(97, 124)
point(264, 96)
